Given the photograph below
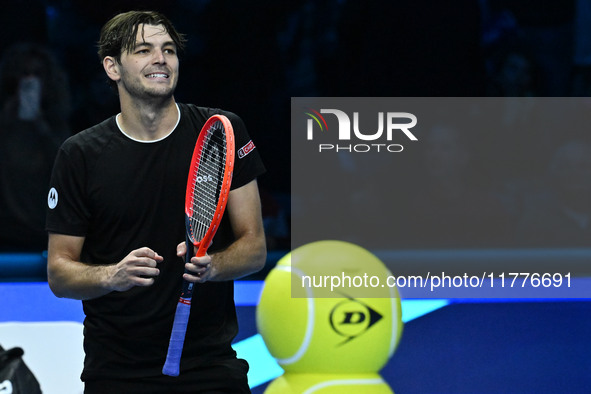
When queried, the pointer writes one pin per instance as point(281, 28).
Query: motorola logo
point(52, 198)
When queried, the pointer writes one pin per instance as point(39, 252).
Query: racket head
point(209, 181)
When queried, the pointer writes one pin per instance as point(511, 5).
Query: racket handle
point(177, 338)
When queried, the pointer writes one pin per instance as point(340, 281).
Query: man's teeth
point(157, 76)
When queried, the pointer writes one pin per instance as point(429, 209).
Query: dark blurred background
point(250, 57)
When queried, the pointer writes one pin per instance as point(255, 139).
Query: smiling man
point(116, 224)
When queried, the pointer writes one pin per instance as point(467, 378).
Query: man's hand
point(200, 268)
point(138, 268)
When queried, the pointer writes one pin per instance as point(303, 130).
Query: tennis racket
point(208, 185)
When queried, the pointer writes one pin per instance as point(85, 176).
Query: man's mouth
point(157, 75)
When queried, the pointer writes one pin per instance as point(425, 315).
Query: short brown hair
point(119, 33)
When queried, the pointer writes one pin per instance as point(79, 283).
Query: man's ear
point(111, 68)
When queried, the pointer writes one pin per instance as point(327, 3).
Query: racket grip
point(177, 339)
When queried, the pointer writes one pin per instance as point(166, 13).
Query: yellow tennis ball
point(298, 383)
point(310, 325)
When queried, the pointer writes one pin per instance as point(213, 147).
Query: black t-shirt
point(122, 194)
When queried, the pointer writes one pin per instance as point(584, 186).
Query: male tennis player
point(116, 217)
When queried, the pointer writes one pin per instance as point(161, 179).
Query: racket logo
point(204, 178)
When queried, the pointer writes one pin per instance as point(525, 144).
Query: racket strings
point(207, 183)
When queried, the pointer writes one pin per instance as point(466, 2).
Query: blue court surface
point(484, 346)
point(488, 346)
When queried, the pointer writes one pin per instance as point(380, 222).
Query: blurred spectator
point(582, 49)
point(546, 30)
point(513, 74)
point(275, 220)
point(34, 110)
point(407, 48)
point(455, 205)
point(498, 24)
point(307, 44)
point(561, 217)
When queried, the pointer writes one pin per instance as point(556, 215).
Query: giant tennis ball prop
point(310, 328)
point(298, 383)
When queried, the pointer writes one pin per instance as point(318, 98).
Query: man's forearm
point(77, 280)
point(245, 256)
point(70, 278)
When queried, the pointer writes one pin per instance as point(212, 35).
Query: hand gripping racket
point(208, 186)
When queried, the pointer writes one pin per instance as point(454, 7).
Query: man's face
point(150, 70)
